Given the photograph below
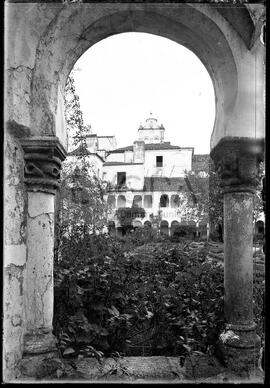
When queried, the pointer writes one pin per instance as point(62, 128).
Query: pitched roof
point(150, 146)
point(118, 163)
point(77, 151)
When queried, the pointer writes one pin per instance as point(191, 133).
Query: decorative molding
point(43, 159)
point(237, 163)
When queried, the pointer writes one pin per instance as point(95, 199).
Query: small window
point(159, 161)
point(121, 178)
point(147, 201)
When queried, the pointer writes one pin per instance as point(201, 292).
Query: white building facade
point(150, 174)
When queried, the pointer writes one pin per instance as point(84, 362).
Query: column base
point(241, 347)
point(40, 356)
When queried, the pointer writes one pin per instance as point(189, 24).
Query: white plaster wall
point(134, 175)
point(128, 156)
point(107, 143)
point(151, 135)
point(116, 157)
point(175, 162)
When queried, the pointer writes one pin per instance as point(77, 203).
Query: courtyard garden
point(140, 295)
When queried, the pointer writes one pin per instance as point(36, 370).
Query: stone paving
point(144, 370)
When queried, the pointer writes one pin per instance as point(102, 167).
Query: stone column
point(237, 161)
point(43, 157)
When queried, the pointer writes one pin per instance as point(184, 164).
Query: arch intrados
point(71, 39)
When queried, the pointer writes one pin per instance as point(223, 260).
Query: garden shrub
point(109, 300)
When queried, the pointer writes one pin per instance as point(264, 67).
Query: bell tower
point(151, 131)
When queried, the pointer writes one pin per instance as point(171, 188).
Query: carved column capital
point(43, 159)
point(237, 163)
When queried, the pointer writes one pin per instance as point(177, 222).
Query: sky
point(123, 78)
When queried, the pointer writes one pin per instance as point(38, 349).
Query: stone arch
point(75, 30)
point(136, 224)
point(164, 227)
point(121, 201)
point(147, 224)
point(174, 226)
point(137, 201)
point(111, 201)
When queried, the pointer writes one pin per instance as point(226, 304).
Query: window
point(159, 161)
point(164, 200)
point(147, 201)
point(121, 179)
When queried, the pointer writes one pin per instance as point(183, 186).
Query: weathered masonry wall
point(15, 254)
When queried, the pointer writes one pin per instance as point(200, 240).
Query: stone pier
point(237, 161)
point(43, 159)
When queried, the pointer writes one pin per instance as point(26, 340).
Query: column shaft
point(237, 163)
point(238, 263)
point(39, 272)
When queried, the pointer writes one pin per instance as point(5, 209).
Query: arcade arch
point(164, 227)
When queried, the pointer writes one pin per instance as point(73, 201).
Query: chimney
point(138, 151)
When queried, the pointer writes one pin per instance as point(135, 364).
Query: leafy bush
point(108, 298)
point(187, 231)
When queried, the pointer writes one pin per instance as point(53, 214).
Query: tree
point(80, 205)
point(205, 200)
point(74, 117)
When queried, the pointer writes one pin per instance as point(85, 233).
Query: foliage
point(110, 297)
point(102, 294)
point(80, 204)
point(198, 190)
point(187, 231)
point(142, 236)
point(74, 117)
point(126, 215)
